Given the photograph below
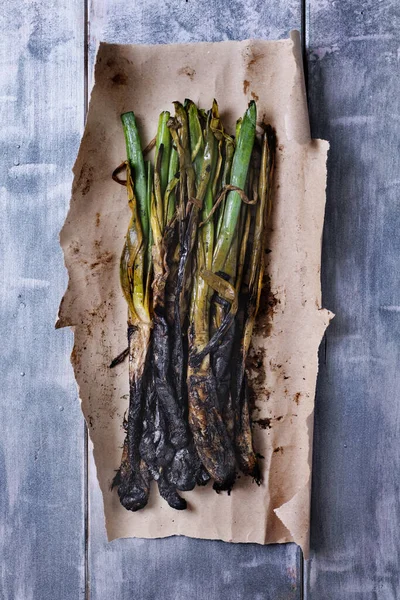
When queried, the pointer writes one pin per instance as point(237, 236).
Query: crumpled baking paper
point(283, 363)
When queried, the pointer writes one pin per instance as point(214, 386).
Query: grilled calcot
point(191, 270)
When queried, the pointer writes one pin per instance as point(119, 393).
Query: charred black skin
point(154, 446)
point(245, 454)
point(174, 317)
point(133, 478)
point(158, 443)
point(216, 340)
point(169, 493)
point(186, 470)
point(156, 449)
point(202, 475)
point(221, 367)
point(185, 467)
point(120, 358)
point(167, 445)
point(173, 411)
point(209, 432)
point(133, 489)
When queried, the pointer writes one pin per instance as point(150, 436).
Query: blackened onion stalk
point(133, 477)
point(191, 272)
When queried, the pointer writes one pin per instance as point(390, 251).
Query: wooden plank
point(182, 567)
point(42, 541)
point(354, 93)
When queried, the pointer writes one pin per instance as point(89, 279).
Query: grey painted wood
point(41, 445)
point(180, 568)
point(354, 102)
point(354, 93)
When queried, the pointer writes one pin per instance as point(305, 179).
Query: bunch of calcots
point(191, 271)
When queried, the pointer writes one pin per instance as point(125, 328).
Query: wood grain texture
point(354, 102)
point(354, 93)
point(41, 445)
point(180, 568)
point(176, 567)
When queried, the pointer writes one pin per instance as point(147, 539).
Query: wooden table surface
point(52, 537)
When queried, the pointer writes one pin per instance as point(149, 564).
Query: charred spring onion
point(191, 270)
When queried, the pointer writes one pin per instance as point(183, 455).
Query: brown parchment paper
point(283, 363)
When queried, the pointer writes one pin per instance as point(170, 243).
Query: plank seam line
point(303, 36)
point(86, 435)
